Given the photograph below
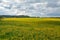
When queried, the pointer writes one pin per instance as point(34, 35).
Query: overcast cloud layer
point(30, 7)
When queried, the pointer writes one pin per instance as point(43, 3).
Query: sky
point(41, 8)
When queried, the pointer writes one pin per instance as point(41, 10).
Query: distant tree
point(1, 18)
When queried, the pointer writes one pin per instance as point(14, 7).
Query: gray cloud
point(30, 7)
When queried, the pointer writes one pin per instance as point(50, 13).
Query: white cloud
point(58, 3)
point(30, 7)
point(40, 5)
point(19, 1)
point(20, 13)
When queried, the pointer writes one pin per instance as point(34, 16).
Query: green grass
point(30, 29)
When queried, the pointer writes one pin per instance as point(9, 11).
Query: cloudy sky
point(42, 8)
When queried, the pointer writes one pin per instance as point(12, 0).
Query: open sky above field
point(30, 7)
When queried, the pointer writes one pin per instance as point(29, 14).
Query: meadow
point(30, 29)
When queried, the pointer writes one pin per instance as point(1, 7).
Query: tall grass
point(30, 29)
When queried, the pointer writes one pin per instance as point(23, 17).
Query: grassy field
point(30, 29)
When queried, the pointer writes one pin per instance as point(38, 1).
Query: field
point(30, 29)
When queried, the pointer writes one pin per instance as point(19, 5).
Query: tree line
point(14, 16)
